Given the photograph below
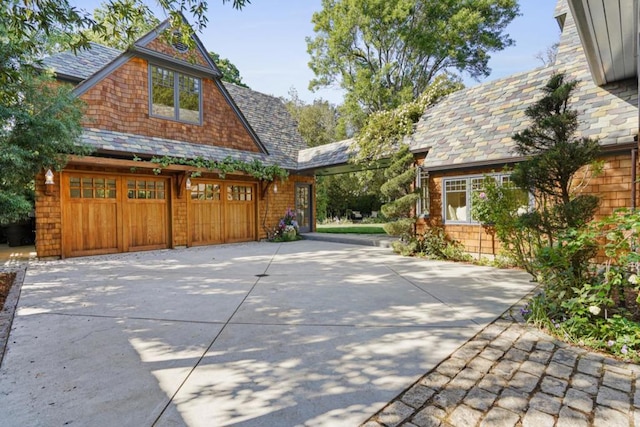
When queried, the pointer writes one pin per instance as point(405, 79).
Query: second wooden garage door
point(222, 212)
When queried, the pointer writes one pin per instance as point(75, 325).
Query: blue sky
point(266, 41)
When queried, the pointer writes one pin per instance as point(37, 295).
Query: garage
point(105, 213)
point(222, 212)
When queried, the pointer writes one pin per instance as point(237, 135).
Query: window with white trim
point(422, 182)
point(457, 192)
point(174, 95)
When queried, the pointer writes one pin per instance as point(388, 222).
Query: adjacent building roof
point(336, 153)
point(474, 126)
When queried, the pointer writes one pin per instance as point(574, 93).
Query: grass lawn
point(350, 228)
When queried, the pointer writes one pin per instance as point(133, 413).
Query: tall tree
point(386, 52)
point(383, 137)
point(317, 122)
point(554, 157)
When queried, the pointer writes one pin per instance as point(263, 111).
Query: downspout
point(634, 178)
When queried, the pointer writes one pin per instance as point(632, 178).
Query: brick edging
point(9, 309)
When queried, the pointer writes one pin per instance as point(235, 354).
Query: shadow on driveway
point(300, 333)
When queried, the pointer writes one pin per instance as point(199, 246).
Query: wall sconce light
point(275, 187)
point(48, 178)
point(187, 186)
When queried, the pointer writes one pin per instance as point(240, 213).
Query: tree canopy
point(121, 24)
point(317, 122)
point(230, 72)
point(386, 52)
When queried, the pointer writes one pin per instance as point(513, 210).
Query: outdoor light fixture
point(275, 187)
point(188, 185)
point(48, 178)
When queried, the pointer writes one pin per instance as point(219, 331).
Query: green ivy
point(223, 167)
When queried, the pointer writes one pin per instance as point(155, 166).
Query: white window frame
point(423, 206)
point(176, 95)
point(471, 185)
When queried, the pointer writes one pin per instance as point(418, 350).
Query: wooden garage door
point(222, 212)
point(91, 217)
point(240, 213)
point(109, 214)
point(146, 214)
point(205, 214)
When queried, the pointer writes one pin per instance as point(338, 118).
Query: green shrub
point(402, 228)
point(593, 305)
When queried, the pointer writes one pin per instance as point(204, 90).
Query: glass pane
point(75, 193)
point(141, 185)
point(87, 193)
point(74, 182)
point(131, 184)
point(131, 194)
point(111, 183)
point(111, 194)
point(98, 182)
point(189, 98)
point(161, 195)
point(87, 182)
point(160, 185)
point(151, 185)
point(162, 91)
point(100, 193)
point(456, 200)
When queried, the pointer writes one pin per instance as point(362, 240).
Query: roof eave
point(610, 40)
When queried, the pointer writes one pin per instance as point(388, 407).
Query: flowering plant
point(287, 228)
point(480, 207)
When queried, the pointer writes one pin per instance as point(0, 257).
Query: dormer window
point(175, 95)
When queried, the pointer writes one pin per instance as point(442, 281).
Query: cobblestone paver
point(511, 374)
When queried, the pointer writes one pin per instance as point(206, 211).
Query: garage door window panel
point(92, 188)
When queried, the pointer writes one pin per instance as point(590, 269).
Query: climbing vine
point(254, 168)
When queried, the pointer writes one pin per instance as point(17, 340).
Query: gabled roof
point(264, 116)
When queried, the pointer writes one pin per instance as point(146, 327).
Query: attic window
point(178, 44)
point(174, 95)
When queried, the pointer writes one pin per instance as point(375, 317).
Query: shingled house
point(468, 135)
point(163, 99)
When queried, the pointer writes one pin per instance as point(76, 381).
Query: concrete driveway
point(261, 334)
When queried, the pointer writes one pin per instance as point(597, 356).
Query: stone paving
point(511, 374)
